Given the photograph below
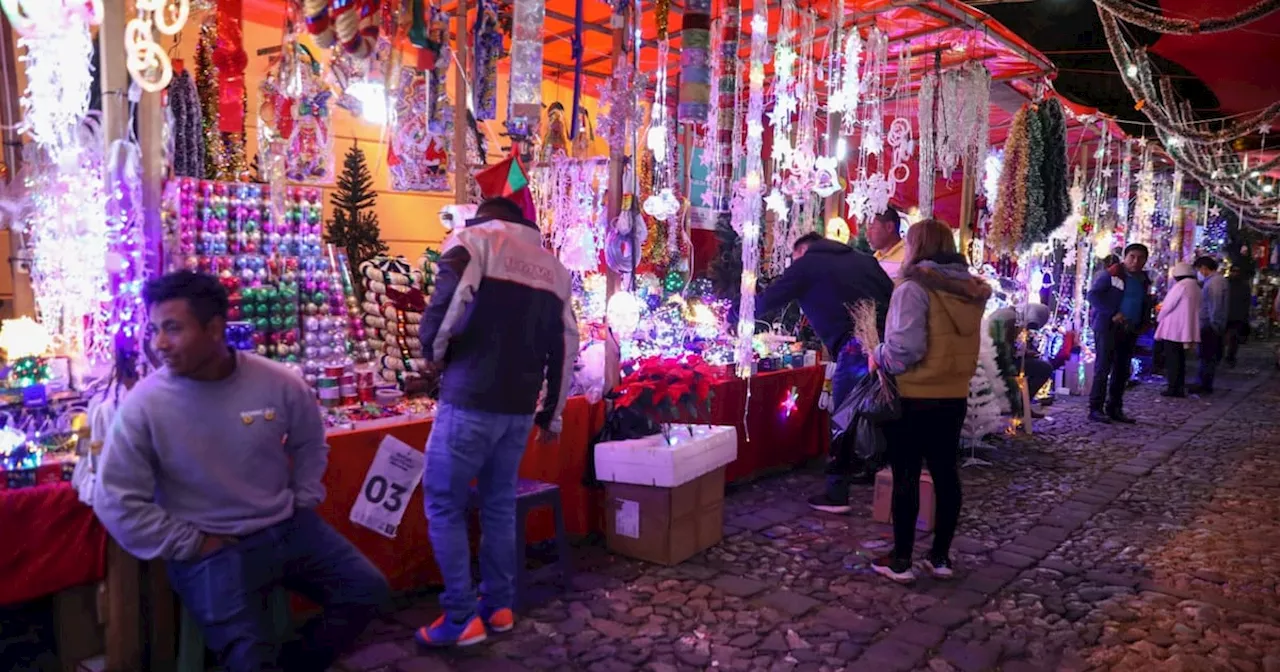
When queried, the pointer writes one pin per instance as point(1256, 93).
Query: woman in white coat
point(1179, 327)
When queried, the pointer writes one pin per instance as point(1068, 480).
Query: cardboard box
point(665, 525)
point(882, 504)
point(687, 452)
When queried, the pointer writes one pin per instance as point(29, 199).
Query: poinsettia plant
point(668, 389)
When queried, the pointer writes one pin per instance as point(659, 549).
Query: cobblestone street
point(1082, 547)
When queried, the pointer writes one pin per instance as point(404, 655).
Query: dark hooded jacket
point(827, 281)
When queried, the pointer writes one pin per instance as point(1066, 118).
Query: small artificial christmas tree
point(988, 394)
point(354, 227)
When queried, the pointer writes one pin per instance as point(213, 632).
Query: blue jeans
point(465, 446)
point(227, 590)
point(851, 367)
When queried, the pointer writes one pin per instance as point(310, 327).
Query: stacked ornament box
point(281, 277)
point(393, 305)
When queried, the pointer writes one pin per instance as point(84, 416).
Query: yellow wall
point(409, 220)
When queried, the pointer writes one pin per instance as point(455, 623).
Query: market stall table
point(53, 542)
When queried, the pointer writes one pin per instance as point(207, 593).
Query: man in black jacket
point(827, 279)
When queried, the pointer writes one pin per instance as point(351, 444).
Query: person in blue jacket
point(1120, 298)
point(827, 278)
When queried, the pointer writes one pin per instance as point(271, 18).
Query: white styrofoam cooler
point(657, 461)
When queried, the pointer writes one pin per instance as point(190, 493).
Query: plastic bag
point(869, 443)
point(874, 397)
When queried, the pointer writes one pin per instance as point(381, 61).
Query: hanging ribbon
point(576, 51)
point(418, 27)
point(230, 59)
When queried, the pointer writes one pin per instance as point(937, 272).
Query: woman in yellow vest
point(931, 344)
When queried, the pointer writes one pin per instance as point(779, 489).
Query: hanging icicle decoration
point(846, 88)
point(729, 126)
point(525, 95)
point(1123, 186)
point(710, 138)
point(746, 200)
point(1144, 207)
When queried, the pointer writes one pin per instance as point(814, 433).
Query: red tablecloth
point(775, 436)
point(49, 542)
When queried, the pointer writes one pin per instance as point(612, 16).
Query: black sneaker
point(1120, 417)
point(1099, 416)
point(894, 569)
point(828, 505)
point(939, 566)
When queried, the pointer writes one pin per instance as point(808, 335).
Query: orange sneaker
point(447, 633)
point(498, 620)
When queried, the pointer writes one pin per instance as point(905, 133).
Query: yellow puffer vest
point(951, 354)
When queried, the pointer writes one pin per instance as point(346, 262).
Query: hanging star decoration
point(1264, 129)
point(1215, 211)
point(1108, 172)
point(791, 402)
point(776, 203)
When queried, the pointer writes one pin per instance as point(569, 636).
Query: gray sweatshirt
point(186, 458)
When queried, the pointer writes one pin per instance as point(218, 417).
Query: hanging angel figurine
point(557, 137)
point(311, 143)
point(586, 137)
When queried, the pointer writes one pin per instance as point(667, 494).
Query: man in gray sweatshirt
point(214, 464)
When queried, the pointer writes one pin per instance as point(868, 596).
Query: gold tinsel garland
point(661, 15)
point(1010, 213)
point(224, 152)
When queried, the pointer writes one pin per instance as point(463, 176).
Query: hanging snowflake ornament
point(776, 203)
point(856, 200)
point(662, 205)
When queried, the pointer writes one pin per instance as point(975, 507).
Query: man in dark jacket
point(827, 279)
point(501, 324)
point(1120, 298)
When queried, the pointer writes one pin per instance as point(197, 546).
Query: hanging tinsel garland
point(1133, 13)
point(1124, 188)
point(1010, 213)
point(188, 149)
point(488, 50)
point(1057, 200)
point(207, 86)
point(1036, 229)
point(927, 96)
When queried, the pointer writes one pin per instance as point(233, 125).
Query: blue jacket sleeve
point(434, 330)
point(1103, 297)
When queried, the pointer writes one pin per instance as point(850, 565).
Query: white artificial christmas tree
point(988, 395)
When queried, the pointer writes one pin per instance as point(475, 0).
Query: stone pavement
point(1082, 547)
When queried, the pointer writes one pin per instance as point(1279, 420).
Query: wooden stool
point(530, 496)
point(191, 649)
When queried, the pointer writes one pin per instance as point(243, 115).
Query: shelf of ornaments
point(292, 296)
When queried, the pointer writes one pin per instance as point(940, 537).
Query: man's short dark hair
point(206, 296)
point(502, 208)
point(806, 239)
point(891, 216)
point(1137, 247)
point(1206, 262)
point(1110, 260)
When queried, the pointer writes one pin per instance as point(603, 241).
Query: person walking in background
point(1120, 303)
point(214, 464)
point(931, 345)
point(827, 278)
point(1239, 298)
point(500, 324)
point(1213, 322)
point(884, 235)
point(1178, 327)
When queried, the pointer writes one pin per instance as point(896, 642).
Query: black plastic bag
point(874, 397)
point(869, 442)
point(620, 424)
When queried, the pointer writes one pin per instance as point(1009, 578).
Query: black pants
point(928, 432)
point(1113, 348)
point(1210, 355)
point(1175, 366)
point(1237, 333)
point(1038, 373)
